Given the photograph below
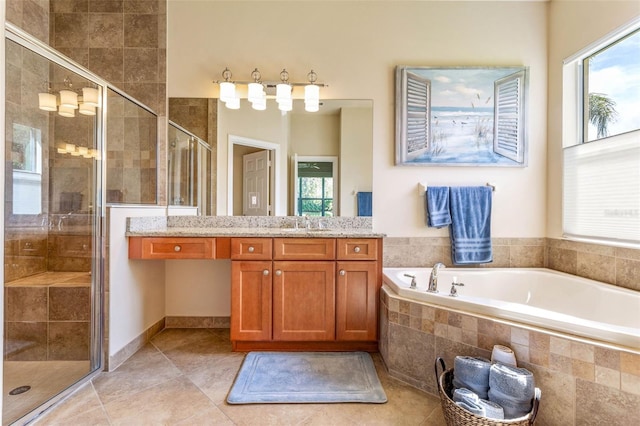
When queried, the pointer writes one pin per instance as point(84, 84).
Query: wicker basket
point(458, 416)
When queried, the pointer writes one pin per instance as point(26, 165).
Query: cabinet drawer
point(251, 248)
point(172, 248)
point(304, 248)
point(357, 249)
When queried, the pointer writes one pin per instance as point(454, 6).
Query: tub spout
point(433, 278)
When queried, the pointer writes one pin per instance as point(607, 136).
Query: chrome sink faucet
point(433, 278)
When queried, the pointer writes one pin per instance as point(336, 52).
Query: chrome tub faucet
point(433, 278)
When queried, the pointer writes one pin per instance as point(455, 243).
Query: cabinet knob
point(342, 273)
point(251, 249)
point(265, 272)
point(278, 272)
point(357, 249)
point(177, 248)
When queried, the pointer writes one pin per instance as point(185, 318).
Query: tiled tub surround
point(611, 265)
point(537, 297)
point(582, 382)
point(47, 317)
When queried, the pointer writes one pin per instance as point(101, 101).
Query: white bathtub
point(538, 297)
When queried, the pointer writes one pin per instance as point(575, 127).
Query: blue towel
point(472, 373)
point(365, 203)
point(470, 224)
point(471, 402)
point(438, 214)
point(513, 388)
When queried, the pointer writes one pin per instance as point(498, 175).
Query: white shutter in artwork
point(509, 139)
point(413, 123)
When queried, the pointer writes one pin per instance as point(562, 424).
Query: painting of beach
point(461, 116)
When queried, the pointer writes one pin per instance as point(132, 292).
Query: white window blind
point(509, 117)
point(602, 189)
point(418, 104)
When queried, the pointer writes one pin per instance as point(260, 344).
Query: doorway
point(238, 148)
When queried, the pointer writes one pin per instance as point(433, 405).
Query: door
point(255, 188)
point(251, 300)
point(356, 313)
point(303, 301)
point(52, 214)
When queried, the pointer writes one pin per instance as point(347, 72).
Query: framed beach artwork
point(464, 116)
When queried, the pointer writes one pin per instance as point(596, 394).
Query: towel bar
point(422, 187)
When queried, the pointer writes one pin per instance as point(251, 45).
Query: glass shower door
point(52, 243)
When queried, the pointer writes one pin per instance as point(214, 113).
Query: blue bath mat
point(306, 377)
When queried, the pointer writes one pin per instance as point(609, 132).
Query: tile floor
point(182, 378)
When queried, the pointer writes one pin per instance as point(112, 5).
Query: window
point(601, 139)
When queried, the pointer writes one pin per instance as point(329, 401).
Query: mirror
point(341, 129)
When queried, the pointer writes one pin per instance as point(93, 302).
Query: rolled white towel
point(472, 373)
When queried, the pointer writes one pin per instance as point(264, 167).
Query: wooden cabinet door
point(303, 301)
point(356, 301)
point(251, 307)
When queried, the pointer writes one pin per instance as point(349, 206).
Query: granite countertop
point(254, 226)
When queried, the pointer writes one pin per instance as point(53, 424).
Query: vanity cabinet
point(313, 293)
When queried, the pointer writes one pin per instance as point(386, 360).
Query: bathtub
point(537, 297)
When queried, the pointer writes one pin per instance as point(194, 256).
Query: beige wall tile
point(560, 346)
point(582, 352)
point(630, 363)
point(583, 370)
point(519, 336)
point(607, 376)
point(630, 383)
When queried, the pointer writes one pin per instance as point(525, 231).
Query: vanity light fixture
point(257, 90)
point(77, 151)
point(70, 100)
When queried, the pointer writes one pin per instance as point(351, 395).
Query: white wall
point(136, 290)
point(355, 47)
point(572, 27)
point(198, 288)
point(355, 131)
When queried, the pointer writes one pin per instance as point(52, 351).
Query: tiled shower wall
point(122, 41)
point(611, 265)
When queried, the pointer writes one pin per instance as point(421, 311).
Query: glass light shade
point(68, 99)
point(233, 103)
point(259, 104)
point(311, 93)
point(227, 91)
point(91, 97)
point(66, 111)
point(47, 101)
point(254, 92)
point(283, 92)
point(312, 106)
point(86, 109)
point(285, 105)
